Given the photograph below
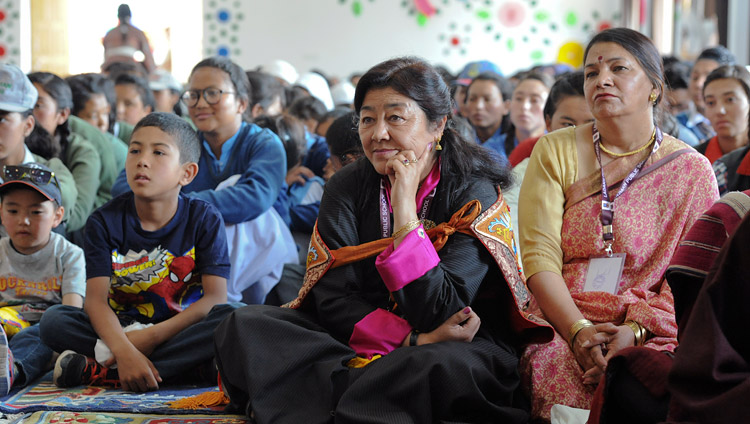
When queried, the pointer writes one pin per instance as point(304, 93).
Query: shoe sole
point(4, 373)
point(57, 373)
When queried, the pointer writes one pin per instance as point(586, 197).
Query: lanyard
point(385, 215)
point(608, 206)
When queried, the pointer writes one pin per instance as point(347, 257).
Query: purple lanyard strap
point(608, 206)
point(385, 215)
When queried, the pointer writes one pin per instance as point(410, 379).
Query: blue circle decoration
point(223, 15)
point(223, 51)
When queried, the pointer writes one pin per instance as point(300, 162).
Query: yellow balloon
point(571, 53)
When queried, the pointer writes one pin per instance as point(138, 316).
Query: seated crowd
point(407, 246)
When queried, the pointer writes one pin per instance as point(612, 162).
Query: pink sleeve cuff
point(414, 257)
point(378, 333)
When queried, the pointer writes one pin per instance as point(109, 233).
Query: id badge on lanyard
point(604, 272)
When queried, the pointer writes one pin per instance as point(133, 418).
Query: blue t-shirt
point(154, 275)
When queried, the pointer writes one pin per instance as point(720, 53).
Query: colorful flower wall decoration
point(221, 27)
point(10, 50)
point(531, 25)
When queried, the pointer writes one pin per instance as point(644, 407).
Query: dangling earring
point(437, 143)
point(652, 98)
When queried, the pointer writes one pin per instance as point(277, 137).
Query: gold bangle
point(407, 228)
point(576, 328)
point(638, 330)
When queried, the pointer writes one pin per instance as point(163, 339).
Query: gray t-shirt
point(41, 279)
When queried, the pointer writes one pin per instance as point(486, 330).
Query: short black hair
point(568, 85)
point(291, 132)
point(308, 108)
point(342, 136)
point(266, 88)
point(183, 134)
point(677, 75)
point(718, 54)
point(141, 85)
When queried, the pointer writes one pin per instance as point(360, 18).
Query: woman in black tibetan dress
point(387, 326)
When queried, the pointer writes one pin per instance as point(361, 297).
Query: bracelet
point(413, 337)
point(576, 328)
point(639, 331)
point(407, 228)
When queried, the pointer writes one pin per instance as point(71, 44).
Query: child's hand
point(137, 373)
point(143, 340)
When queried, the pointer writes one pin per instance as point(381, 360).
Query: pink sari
point(651, 217)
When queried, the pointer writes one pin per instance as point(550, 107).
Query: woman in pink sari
point(602, 209)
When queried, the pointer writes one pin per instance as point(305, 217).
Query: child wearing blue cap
point(38, 268)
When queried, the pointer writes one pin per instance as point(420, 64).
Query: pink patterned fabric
point(651, 218)
point(414, 257)
point(378, 333)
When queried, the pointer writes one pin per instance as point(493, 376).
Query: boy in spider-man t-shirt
point(156, 265)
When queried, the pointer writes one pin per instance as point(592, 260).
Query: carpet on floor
point(45, 396)
point(65, 417)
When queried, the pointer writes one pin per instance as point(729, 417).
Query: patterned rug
point(61, 417)
point(45, 396)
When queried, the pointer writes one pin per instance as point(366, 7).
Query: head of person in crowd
point(726, 93)
point(317, 86)
point(460, 86)
point(292, 93)
point(291, 132)
point(677, 90)
point(354, 78)
point(404, 104)
point(31, 205)
point(134, 98)
point(309, 110)
point(626, 47)
point(267, 97)
point(123, 13)
point(527, 106)
point(708, 60)
point(166, 91)
point(115, 69)
point(343, 142)
point(17, 102)
point(343, 94)
point(282, 70)
point(93, 97)
point(52, 109)
point(331, 80)
point(328, 119)
point(566, 105)
point(217, 96)
point(487, 102)
point(448, 77)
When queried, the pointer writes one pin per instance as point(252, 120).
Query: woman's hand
point(604, 344)
point(459, 327)
point(585, 353)
point(405, 178)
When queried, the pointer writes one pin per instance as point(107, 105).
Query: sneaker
point(74, 369)
point(6, 364)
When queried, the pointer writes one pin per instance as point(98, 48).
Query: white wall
point(344, 36)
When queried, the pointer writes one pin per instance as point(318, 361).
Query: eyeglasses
point(210, 95)
point(35, 175)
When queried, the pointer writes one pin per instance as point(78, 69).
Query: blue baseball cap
point(472, 69)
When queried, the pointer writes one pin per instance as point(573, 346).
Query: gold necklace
point(634, 152)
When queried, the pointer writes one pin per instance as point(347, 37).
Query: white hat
point(163, 80)
point(317, 86)
point(281, 69)
point(343, 93)
point(17, 93)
